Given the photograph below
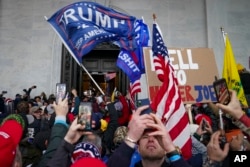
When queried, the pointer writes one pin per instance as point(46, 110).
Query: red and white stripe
point(135, 88)
point(159, 64)
point(170, 108)
point(168, 103)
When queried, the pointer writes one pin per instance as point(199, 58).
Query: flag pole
point(154, 17)
point(92, 79)
point(223, 35)
point(73, 55)
point(189, 111)
point(224, 39)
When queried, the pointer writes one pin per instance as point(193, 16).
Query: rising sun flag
point(230, 72)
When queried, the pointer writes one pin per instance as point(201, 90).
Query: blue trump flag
point(142, 40)
point(126, 62)
point(131, 62)
point(83, 25)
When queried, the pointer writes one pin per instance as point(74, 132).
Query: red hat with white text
point(11, 131)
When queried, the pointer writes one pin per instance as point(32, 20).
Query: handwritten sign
point(195, 69)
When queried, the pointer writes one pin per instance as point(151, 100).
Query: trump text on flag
point(83, 25)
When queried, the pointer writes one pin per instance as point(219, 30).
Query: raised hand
point(233, 108)
point(214, 151)
point(161, 133)
point(61, 108)
point(75, 132)
point(139, 123)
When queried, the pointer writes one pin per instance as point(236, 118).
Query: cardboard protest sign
point(195, 69)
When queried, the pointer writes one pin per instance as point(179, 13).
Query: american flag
point(110, 76)
point(160, 52)
point(133, 89)
point(168, 103)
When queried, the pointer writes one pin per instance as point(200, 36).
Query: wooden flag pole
point(189, 110)
point(154, 17)
point(92, 79)
point(223, 34)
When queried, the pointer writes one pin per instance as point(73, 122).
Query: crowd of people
point(43, 132)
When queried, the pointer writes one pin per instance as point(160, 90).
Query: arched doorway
point(99, 62)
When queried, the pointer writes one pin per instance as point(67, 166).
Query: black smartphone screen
point(203, 125)
point(221, 91)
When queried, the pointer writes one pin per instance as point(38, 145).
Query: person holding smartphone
point(63, 137)
point(234, 109)
point(204, 128)
point(215, 154)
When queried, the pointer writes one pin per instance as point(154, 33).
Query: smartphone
point(85, 114)
point(221, 91)
point(222, 141)
point(203, 125)
point(142, 103)
point(60, 91)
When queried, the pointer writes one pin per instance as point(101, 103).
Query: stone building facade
point(31, 52)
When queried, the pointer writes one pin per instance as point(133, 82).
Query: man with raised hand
point(148, 133)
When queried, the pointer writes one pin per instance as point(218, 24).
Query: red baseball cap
point(199, 117)
point(10, 135)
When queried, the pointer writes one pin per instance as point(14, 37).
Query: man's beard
point(152, 157)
